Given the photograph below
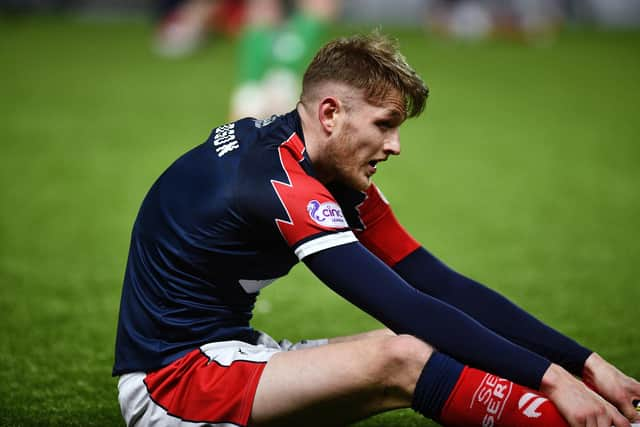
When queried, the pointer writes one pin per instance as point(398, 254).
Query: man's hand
point(579, 405)
point(612, 384)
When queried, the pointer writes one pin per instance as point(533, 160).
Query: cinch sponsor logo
point(327, 214)
point(492, 393)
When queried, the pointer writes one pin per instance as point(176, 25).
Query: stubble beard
point(342, 157)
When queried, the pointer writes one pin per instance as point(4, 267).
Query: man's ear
point(328, 111)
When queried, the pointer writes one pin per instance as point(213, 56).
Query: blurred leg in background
point(184, 25)
point(278, 40)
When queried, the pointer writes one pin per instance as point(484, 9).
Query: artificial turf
point(523, 173)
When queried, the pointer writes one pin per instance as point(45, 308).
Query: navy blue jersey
point(224, 220)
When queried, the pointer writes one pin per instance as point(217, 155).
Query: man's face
point(369, 134)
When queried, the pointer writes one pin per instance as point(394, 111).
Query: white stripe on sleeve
point(324, 242)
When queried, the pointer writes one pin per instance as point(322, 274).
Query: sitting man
point(238, 211)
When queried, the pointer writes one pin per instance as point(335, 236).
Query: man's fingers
point(619, 420)
point(630, 412)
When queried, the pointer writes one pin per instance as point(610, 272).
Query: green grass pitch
point(524, 173)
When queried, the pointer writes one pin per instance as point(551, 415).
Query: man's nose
point(392, 144)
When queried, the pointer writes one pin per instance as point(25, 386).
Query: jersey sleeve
point(312, 220)
point(425, 272)
point(382, 234)
point(361, 278)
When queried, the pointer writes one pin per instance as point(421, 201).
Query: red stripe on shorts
point(197, 389)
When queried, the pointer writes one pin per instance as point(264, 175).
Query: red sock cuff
point(483, 399)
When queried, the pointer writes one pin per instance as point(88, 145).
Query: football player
point(240, 210)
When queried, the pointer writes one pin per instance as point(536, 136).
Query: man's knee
point(402, 359)
point(407, 351)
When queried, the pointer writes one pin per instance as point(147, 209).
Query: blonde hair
point(372, 63)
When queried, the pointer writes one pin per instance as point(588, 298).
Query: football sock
point(483, 399)
point(459, 396)
point(435, 384)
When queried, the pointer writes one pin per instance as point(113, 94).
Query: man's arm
point(390, 242)
point(361, 278)
point(423, 271)
point(426, 273)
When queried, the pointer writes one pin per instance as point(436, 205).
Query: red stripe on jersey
point(302, 196)
point(194, 388)
point(383, 235)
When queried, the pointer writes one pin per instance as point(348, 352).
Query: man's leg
point(341, 382)
point(358, 376)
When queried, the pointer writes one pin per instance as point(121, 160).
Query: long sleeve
point(360, 277)
point(390, 242)
point(425, 272)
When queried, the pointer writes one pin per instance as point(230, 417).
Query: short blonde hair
point(372, 63)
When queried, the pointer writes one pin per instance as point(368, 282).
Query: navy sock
point(435, 384)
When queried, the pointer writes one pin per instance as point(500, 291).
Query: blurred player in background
point(184, 25)
point(523, 20)
point(275, 47)
point(276, 40)
point(240, 210)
